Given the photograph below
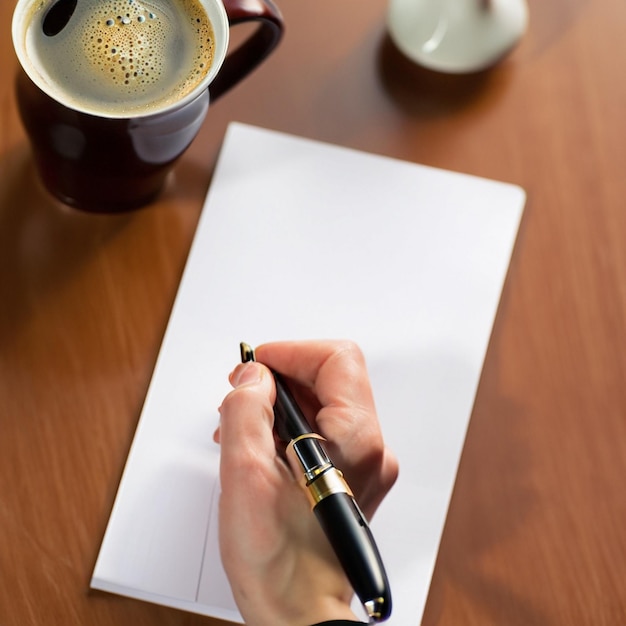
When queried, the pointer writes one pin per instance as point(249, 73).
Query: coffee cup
point(112, 92)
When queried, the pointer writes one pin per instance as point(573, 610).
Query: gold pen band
point(321, 481)
point(325, 484)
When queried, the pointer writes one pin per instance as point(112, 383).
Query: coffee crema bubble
point(118, 57)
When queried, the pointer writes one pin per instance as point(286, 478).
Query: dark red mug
point(100, 162)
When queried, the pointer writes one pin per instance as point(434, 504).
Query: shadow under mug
point(107, 164)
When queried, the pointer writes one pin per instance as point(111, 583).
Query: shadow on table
point(426, 93)
point(494, 505)
point(42, 242)
point(45, 245)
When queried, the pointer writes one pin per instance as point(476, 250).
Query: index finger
point(335, 371)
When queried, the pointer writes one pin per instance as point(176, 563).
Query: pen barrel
point(332, 501)
point(290, 422)
point(350, 536)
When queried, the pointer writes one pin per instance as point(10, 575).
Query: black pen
point(332, 502)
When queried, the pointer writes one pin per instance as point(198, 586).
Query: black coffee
point(120, 58)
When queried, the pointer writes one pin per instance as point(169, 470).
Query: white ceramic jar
point(456, 36)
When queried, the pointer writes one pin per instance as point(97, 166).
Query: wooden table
point(536, 533)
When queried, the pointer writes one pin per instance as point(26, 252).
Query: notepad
point(300, 240)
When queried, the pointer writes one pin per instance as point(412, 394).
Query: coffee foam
point(119, 56)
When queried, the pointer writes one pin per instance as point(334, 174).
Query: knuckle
point(349, 350)
point(348, 355)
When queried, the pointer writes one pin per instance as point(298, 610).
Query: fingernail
point(245, 374)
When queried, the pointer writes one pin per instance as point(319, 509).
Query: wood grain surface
point(536, 532)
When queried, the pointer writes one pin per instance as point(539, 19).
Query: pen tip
point(247, 352)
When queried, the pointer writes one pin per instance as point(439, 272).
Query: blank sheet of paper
point(299, 240)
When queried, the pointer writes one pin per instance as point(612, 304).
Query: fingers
point(334, 370)
point(336, 373)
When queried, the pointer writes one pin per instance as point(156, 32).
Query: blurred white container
point(456, 36)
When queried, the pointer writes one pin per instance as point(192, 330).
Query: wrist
point(323, 612)
point(338, 622)
point(331, 613)
point(338, 615)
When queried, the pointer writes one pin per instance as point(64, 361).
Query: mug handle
point(254, 50)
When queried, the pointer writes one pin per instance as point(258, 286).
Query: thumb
point(247, 416)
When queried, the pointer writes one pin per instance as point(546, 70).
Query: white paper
point(300, 239)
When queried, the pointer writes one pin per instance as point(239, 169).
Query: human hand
point(280, 565)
